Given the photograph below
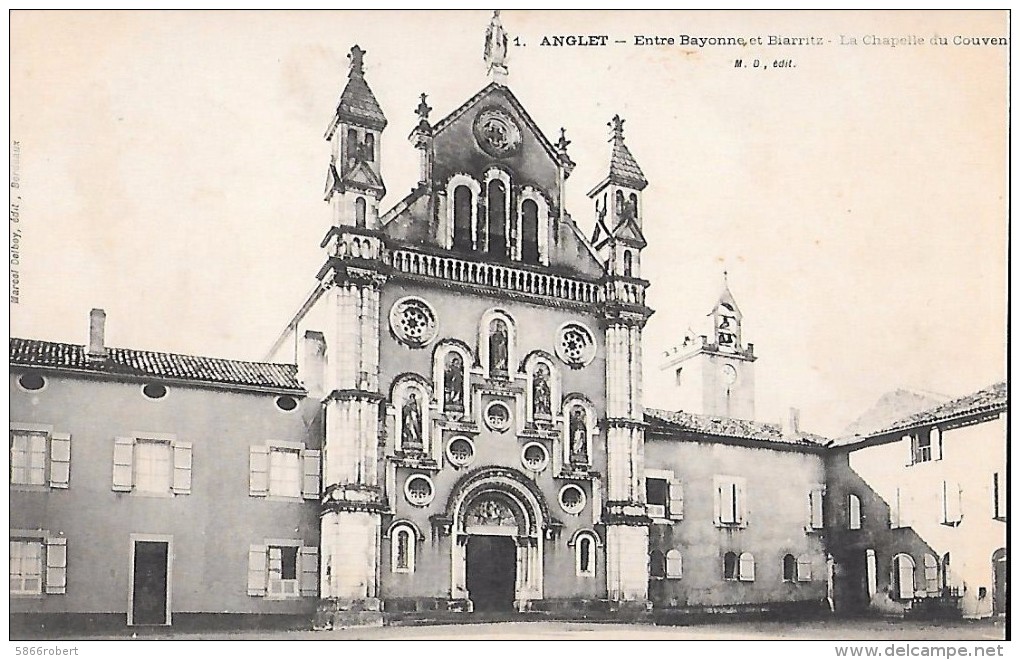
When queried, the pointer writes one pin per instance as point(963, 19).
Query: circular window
point(572, 499)
point(31, 382)
point(413, 322)
point(418, 489)
point(575, 345)
point(497, 416)
point(535, 457)
point(496, 132)
point(460, 451)
point(286, 403)
point(154, 391)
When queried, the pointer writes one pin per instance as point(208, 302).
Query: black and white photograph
point(508, 324)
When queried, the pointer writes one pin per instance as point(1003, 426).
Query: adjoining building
point(453, 422)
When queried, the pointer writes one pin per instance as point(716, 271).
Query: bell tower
point(354, 184)
point(714, 372)
point(352, 497)
point(618, 241)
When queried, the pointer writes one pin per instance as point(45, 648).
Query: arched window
point(634, 205)
point(584, 543)
point(496, 202)
point(618, 200)
point(730, 566)
point(853, 520)
point(746, 568)
point(352, 144)
point(931, 574)
point(584, 564)
point(529, 232)
point(804, 568)
point(628, 264)
point(674, 564)
point(947, 578)
point(359, 212)
point(789, 568)
point(462, 218)
point(656, 564)
point(402, 546)
point(903, 577)
point(369, 147)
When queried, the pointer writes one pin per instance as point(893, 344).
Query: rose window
point(576, 346)
point(413, 322)
point(497, 416)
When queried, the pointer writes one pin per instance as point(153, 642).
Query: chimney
point(312, 367)
point(97, 335)
point(791, 427)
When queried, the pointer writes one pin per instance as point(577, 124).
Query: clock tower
point(713, 372)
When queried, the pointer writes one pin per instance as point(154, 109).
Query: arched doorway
point(497, 550)
point(999, 585)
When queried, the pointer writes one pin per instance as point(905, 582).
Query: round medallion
point(413, 322)
point(497, 133)
point(572, 499)
point(534, 456)
point(460, 451)
point(497, 416)
point(418, 490)
point(729, 373)
point(575, 345)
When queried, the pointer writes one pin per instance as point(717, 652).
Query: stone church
point(452, 421)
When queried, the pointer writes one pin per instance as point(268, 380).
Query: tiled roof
point(667, 421)
point(623, 169)
point(129, 362)
point(990, 399)
point(358, 104)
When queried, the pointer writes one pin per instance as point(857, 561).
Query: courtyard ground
point(856, 629)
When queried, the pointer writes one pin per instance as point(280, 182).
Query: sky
point(171, 169)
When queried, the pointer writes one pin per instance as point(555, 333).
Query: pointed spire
point(358, 104)
point(496, 50)
point(725, 299)
point(623, 169)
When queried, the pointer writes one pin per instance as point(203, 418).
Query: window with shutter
point(56, 565)
point(309, 559)
point(282, 572)
point(898, 509)
point(657, 496)
point(310, 459)
point(182, 467)
point(60, 460)
point(152, 473)
point(675, 507)
point(804, 568)
point(284, 472)
point(656, 564)
point(853, 511)
point(674, 564)
point(952, 510)
point(123, 464)
point(747, 567)
point(816, 508)
point(935, 440)
point(1000, 498)
point(258, 475)
point(257, 570)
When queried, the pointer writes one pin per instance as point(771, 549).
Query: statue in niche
point(410, 432)
point(498, 341)
point(542, 395)
point(453, 382)
point(578, 435)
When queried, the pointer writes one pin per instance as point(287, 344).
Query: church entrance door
point(491, 572)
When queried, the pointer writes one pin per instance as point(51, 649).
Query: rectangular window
point(816, 511)
point(1000, 499)
point(26, 567)
point(28, 458)
point(922, 447)
point(283, 569)
point(657, 492)
point(284, 469)
point(283, 573)
point(284, 472)
point(853, 511)
point(899, 509)
point(952, 507)
point(730, 501)
point(152, 466)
